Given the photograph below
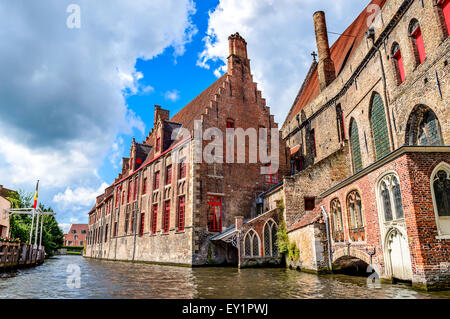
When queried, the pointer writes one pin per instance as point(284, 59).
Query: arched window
point(440, 185)
point(336, 221)
point(356, 149)
point(415, 34)
point(270, 239)
point(340, 123)
point(230, 123)
point(251, 244)
point(444, 10)
point(423, 127)
point(398, 63)
point(391, 198)
point(379, 127)
point(355, 217)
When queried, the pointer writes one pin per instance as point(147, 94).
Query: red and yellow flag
point(36, 195)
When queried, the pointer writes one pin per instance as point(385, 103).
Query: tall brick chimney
point(326, 70)
point(238, 53)
point(160, 113)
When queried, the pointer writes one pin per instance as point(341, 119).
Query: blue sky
point(72, 99)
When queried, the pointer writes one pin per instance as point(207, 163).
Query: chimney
point(326, 70)
point(238, 52)
point(160, 113)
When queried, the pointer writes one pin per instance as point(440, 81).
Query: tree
point(20, 225)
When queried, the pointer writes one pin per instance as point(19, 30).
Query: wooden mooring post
point(13, 255)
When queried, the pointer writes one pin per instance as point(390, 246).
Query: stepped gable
point(197, 107)
point(341, 51)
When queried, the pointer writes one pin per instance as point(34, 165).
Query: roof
point(341, 51)
point(307, 219)
point(78, 227)
point(194, 109)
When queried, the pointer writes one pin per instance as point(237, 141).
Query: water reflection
point(105, 279)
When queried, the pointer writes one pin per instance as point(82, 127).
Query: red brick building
point(166, 204)
point(369, 136)
point(76, 235)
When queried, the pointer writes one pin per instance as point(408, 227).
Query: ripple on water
point(106, 279)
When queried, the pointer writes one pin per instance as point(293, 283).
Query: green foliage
point(20, 225)
point(285, 247)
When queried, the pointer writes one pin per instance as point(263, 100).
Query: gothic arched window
point(440, 183)
point(379, 127)
point(423, 127)
point(398, 63)
point(251, 244)
point(355, 217)
point(336, 221)
point(391, 198)
point(415, 33)
point(356, 149)
point(270, 239)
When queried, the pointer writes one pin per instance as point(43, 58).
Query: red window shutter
point(417, 34)
point(446, 11)
point(182, 170)
point(214, 213)
point(154, 218)
point(181, 205)
point(158, 144)
point(135, 188)
point(156, 181)
point(144, 186)
point(166, 216)
point(401, 69)
point(129, 192)
point(230, 124)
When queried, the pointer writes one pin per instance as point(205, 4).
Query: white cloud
point(172, 95)
point(80, 196)
point(65, 227)
point(280, 38)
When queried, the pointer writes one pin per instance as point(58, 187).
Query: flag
point(36, 195)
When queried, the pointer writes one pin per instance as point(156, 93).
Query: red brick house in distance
point(76, 235)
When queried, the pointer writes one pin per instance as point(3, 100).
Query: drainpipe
point(327, 225)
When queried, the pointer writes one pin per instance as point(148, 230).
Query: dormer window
point(158, 144)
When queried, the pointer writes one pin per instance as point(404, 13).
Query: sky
point(75, 89)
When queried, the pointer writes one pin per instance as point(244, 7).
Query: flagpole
point(37, 228)
point(34, 212)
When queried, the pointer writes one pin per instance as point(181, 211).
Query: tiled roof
point(192, 111)
point(307, 219)
point(341, 51)
point(78, 228)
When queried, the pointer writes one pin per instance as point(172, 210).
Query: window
point(154, 218)
point(166, 217)
point(270, 239)
point(133, 221)
point(444, 5)
point(440, 185)
point(128, 191)
point(180, 217)
point(230, 123)
point(156, 181)
point(356, 149)
point(115, 229)
point(127, 220)
point(310, 203)
point(313, 140)
point(272, 177)
point(158, 144)
point(417, 40)
point(117, 196)
point(182, 170)
point(81, 243)
point(168, 174)
point(340, 123)
point(251, 244)
point(214, 213)
point(398, 63)
point(74, 231)
point(106, 233)
point(76, 237)
point(379, 127)
point(337, 225)
point(423, 127)
point(142, 223)
point(391, 198)
point(144, 186)
point(135, 192)
point(355, 218)
point(83, 231)
point(123, 197)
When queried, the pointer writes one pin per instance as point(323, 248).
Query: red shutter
point(129, 191)
point(181, 205)
point(154, 218)
point(446, 11)
point(168, 174)
point(182, 170)
point(156, 181)
point(401, 69)
point(230, 124)
point(158, 144)
point(135, 188)
point(417, 34)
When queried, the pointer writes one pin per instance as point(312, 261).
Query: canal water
point(58, 278)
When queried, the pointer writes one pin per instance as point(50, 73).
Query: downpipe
point(327, 226)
